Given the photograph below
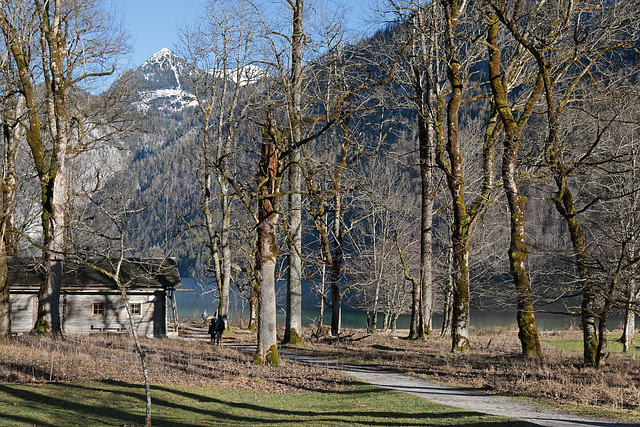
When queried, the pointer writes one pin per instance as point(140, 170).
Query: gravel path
point(458, 397)
point(452, 396)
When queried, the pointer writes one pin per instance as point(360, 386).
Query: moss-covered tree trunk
point(47, 165)
point(55, 52)
point(460, 228)
point(454, 170)
point(601, 352)
point(253, 306)
point(33, 136)
point(527, 329)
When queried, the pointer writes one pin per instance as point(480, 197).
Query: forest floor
point(494, 365)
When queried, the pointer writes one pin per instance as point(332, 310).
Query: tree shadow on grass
point(58, 407)
point(32, 398)
point(383, 418)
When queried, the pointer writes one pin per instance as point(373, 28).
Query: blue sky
point(154, 24)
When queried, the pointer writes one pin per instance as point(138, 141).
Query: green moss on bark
point(257, 359)
point(460, 343)
point(272, 356)
point(295, 339)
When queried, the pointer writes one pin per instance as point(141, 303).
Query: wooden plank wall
point(78, 317)
point(23, 312)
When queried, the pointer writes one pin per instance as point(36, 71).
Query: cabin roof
point(136, 273)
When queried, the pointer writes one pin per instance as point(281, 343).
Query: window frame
point(97, 309)
point(136, 308)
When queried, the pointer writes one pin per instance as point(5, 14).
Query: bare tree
point(269, 181)
point(77, 42)
point(588, 34)
point(459, 56)
point(422, 22)
point(102, 229)
point(285, 131)
point(219, 52)
point(383, 239)
point(629, 210)
point(500, 83)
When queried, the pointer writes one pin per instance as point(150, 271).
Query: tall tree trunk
point(293, 327)
point(223, 304)
point(629, 325)
point(460, 235)
point(528, 331)
point(8, 183)
point(267, 252)
point(447, 306)
point(427, 191)
point(426, 258)
point(54, 205)
point(455, 182)
point(336, 267)
point(206, 187)
point(34, 140)
point(422, 291)
point(563, 200)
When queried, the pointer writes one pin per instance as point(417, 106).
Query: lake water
point(191, 305)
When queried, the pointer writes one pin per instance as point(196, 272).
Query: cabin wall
point(78, 317)
point(24, 307)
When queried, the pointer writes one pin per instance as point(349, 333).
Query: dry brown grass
point(112, 357)
point(496, 364)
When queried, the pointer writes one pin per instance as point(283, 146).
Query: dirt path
point(439, 393)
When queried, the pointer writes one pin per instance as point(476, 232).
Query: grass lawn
point(117, 403)
point(576, 345)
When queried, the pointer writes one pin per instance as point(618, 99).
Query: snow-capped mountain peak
point(161, 55)
point(164, 82)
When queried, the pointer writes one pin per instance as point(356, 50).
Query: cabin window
point(136, 308)
point(97, 309)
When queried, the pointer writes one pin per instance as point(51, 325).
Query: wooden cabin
point(90, 301)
